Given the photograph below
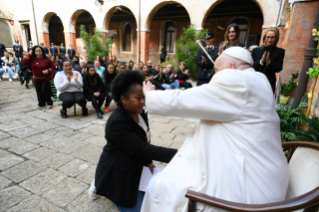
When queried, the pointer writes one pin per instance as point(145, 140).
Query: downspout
point(310, 53)
point(139, 31)
point(35, 23)
point(279, 12)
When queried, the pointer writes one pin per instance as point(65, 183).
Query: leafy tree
point(95, 44)
point(187, 50)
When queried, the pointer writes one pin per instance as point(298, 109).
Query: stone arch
point(46, 21)
point(157, 7)
point(6, 36)
point(110, 13)
point(74, 18)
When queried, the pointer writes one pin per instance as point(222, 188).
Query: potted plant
point(287, 88)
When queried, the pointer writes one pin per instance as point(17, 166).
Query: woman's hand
point(148, 86)
point(76, 76)
point(220, 51)
point(45, 71)
point(151, 166)
point(30, 52)
point(204, 60)
point(266, 58)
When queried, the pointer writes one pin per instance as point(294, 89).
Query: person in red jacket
point(42, 69)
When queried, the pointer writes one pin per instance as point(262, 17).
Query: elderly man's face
point(149, 63)
point(222, 63)
point(82, 63)
point(169, 68)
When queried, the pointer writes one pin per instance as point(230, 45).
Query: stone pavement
point(47, 163)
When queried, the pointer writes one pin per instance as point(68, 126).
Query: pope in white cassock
point(235, 150)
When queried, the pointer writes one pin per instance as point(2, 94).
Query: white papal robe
point(235, 152)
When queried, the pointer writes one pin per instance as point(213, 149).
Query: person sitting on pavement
point(147, 74)
point(75, 62)
point(69, 84)
point(170, 78)
point(130, 66)
point(121, 68)
point(107, 78)
point(88, 62)
point(158, 78)
point(98, 68)
point(82, 69)
point(182, 76)
point(150, 67)
point(93, 90)
point(137, 68)
point(7, 63)
point(16, 64)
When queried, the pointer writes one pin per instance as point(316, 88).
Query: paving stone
point(4, 182)
point(97, 140)
point(30, 120)
point(167, 135)
point(80, 136)
point(63, 144)
point(45, 126)
point(180, 138)
point(83, 204)
point(72, 123)
point(39, 153)
point(24, 132)
point(43, 181)
point(12, 125)
point(161, 142)
point(89, 153)
point(3, 153)
point(75, 167)
point(88, 175)
point(10, 142)
point(39, 138)
point(100, 122)
point(95, 129)
point(57, 160)
point(9, 161)
point(176, 145)
point(42, 115)
point(23, 148)
point(23, 171)
point(4, 135)
point(167, 127)
point(11, 196)
point(35, 203)
point(65, 192)
point(182, 130)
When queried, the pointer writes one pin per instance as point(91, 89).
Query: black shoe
point(63, 114)
point(22, 82)
point(102, 112)
point(84, 112)
point(99, 115)
point(27, 87)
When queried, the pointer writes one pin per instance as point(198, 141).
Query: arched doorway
point(121, 24)
point(246, 13)
point(5, 35)
point(166, 22)
point(56, 30)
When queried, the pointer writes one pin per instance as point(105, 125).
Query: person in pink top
point(42, 68)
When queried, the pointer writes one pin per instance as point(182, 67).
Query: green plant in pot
point(287, 88)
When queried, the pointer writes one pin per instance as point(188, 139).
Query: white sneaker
point(15, 76)
point(10, 80)
point(49, 106)
point(92, 191)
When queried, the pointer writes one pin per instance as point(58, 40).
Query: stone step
point(5, 76)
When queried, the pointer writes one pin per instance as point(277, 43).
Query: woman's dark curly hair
point(123, 84)
point(40, 47)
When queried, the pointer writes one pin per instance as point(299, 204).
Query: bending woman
point(128, 146)
point(68, 84)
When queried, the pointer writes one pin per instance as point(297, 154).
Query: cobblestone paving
point(47, 163)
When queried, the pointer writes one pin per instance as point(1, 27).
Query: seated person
point(121, 68)
point(158, 78)
point(82, 68)
point(150, 67)
point(98, 68)
point(7, 63)
point(107, 79)
point(183, 75)
point(25, 74)
point(75, 62)
point(130, 66)
point(170, 78)
point(88, 62)
point(67, 56)
point(137, 68)
point(68, 84)
point(93, 90)
point(148, 76)
point(16, 64)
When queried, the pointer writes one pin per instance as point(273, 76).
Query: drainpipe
point(310, 53)
point(280, 7)
point(139, 31)
point(35, 23)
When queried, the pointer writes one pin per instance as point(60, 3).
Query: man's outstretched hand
point(148, 86)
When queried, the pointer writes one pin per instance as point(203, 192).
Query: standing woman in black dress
point(128, 147)
point(163, 54)
point(231, 39)
point(268, 58)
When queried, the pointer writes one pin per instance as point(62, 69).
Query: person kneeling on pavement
point(68, 84)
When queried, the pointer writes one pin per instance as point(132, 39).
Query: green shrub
point(287, 88)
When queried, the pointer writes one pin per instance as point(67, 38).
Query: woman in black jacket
point(128, 147)
point(107, 79)
point(182, 76)
point(163, 54)
point(268, 58)
point(93, 90)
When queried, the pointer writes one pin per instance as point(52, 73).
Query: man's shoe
point(92, 191)
point(10, 80)
point(106, 109)
point(41, 106)
point(27, 87)
point(99, 115)
point(49, 106)
point(84, 112)
point(63, 114)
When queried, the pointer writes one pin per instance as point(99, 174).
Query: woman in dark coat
point(107, 79)
point(268, 58)
point(93, 90)
point(128, 147)
point(163, 54)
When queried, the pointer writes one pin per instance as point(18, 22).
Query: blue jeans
point(174, 84)
point(9, 70)
point(137, 207)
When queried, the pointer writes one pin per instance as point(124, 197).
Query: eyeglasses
point(270, 38)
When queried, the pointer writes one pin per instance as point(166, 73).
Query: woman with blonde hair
point(231, 38)
point(268, 58)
